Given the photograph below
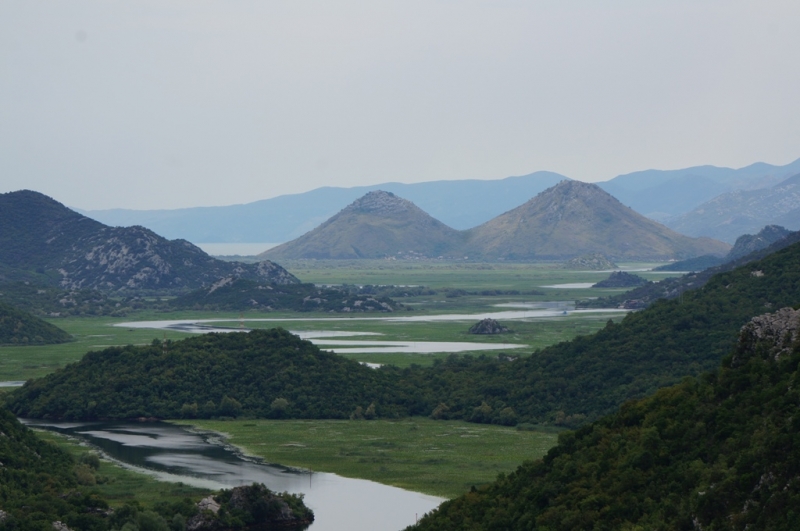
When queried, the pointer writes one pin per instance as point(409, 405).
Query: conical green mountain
point(574, 218)
point(378, 225)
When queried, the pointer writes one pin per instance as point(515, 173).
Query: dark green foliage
point(18, 327)
point(255, 506)
point(716, 452)
point(208, 376)
point(243, 294)
point(580, 380)
point(38, 485)
point(671, 288)
point(567, 384)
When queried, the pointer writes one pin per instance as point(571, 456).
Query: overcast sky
point(166, 104)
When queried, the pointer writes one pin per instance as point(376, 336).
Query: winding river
point(173, 453)
point(323, 338)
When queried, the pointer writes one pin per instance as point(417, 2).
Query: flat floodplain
point(442, 458)
point(450, 280)
point(457, 275)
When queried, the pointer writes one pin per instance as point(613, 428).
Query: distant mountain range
point(51, 244)
point(565, 221)
point(663, 194)
point(729, 215)
point(460, 204)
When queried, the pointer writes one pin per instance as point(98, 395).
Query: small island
point(487, 327)
point(621, 279)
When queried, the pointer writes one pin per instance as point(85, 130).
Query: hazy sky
point(166, 104)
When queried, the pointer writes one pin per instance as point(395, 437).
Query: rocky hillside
point(43, 236)
point(714, 452)
point(239, 294)
point(569, 220)
point(575, 218)
point(671, 288)
point(378, 225)
point(745, 245)
point(750, 243)
point(662, 194)
point(743, 212)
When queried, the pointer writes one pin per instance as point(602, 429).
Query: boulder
point(488, 326)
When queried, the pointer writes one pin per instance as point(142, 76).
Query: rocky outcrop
point(252, 507)
point(749, 243)
point(769, 336)
point(487, 327)
point(621, 279)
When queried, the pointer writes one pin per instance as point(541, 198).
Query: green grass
point(94, 333)
point(420, 454)
point(89, 333)
point(119, 485)
point(469, 276)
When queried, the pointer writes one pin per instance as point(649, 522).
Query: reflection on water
point(537, 310)
point(173, 453)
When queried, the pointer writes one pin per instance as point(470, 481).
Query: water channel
point(323, 338)
point(173, 453)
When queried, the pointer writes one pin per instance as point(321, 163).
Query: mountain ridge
point(574, 218)
point(732, 214)
point(565, 221)
point(72, 251)
point(461, 204)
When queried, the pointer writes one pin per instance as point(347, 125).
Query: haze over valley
point(399, 265)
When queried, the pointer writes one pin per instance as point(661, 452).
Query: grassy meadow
point(435, 457)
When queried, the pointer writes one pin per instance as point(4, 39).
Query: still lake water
point(173, 453)
point(356, 346)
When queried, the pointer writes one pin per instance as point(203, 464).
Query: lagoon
point(174, 453)
point(324, 339)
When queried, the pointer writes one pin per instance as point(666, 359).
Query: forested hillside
point(714, 452)
point(567, 384)
point(42, 485)
point(34, 471)
point(670, 288)
point(265, 373)
point(18, 327)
